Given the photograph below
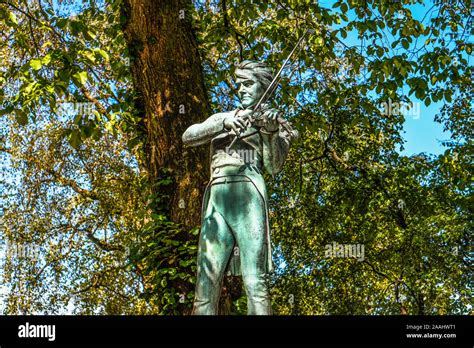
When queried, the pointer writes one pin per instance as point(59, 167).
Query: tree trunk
point(168, 79)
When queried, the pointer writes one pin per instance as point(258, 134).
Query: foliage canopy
point(73, 184)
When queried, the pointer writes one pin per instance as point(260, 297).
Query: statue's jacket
point(255, 150)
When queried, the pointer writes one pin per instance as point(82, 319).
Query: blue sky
point(424, 134)
point(421, 133)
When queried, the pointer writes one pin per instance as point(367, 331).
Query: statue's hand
point(271, 120)
point(245, 114)
point(236, 124)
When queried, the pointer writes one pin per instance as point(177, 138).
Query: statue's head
point(252, 80)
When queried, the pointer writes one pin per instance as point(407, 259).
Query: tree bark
point(168, 79)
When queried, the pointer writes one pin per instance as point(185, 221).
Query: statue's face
point(250, 90)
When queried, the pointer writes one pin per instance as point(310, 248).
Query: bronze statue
point(235, 230)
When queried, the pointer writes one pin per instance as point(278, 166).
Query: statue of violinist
point(235, 230)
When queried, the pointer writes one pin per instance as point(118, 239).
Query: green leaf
point(81, 77)
point(12, 18)
point(89, 55)
point(64, 75)
point(46, 59)
point(87, 131)
point(78, 119)
point(419, 93)
point(447, 96)
point(47, 44)
point(75, 138)
point(61, 23)
point(318, 41)
point(89, 35)
point(7, 110)
point(77, 27)
point(36, 64)
point(104, 54)
point(21, 117)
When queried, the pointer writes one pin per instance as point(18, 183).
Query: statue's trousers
point(234, 238)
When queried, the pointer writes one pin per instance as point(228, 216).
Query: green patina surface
point(235, 233)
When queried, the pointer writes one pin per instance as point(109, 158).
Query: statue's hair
point(260, 70)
